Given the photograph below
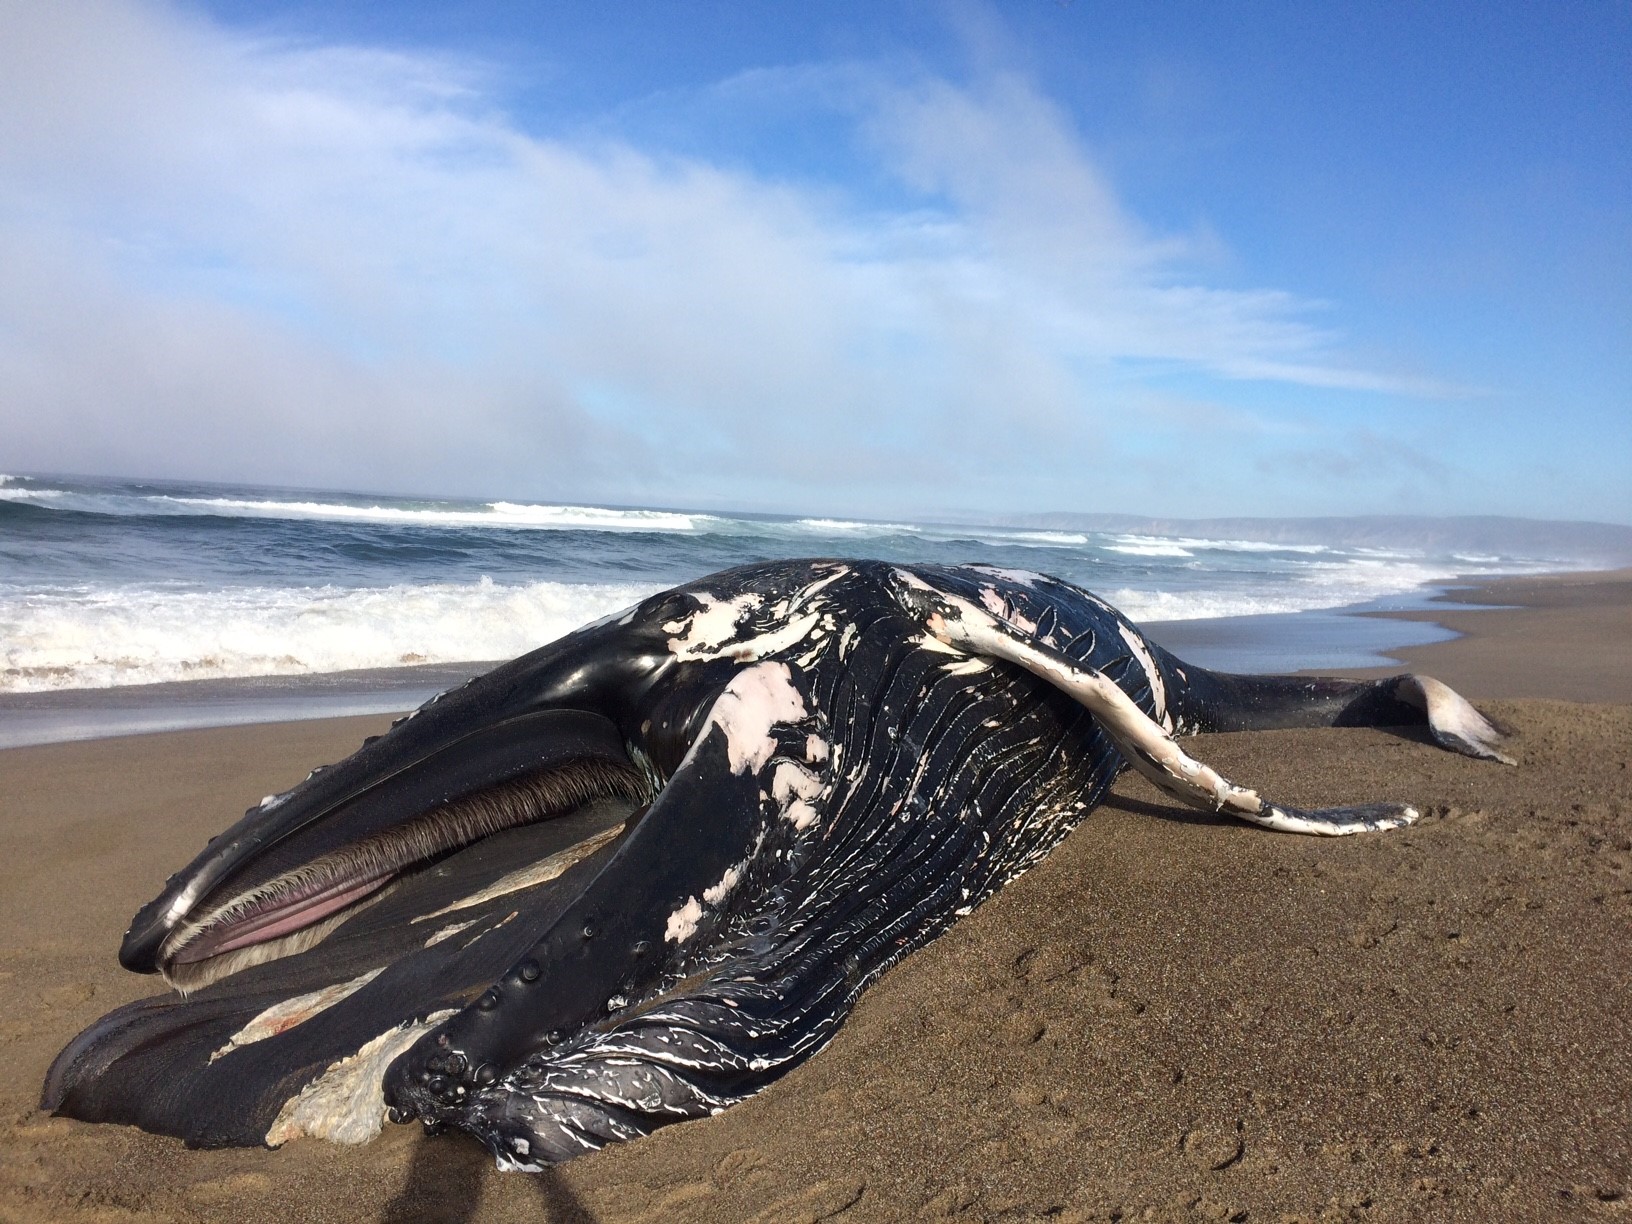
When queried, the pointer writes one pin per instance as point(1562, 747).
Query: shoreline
point(1330, 641)
point(70, 715)
point(1566, 636)
point(1172, 1016)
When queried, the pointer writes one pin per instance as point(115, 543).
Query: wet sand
point(1173, 1017)
point(1556, 635)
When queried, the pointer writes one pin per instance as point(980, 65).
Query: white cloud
point(265, 260)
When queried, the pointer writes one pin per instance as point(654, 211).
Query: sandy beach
point(1173, 1017)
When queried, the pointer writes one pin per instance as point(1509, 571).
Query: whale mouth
point(300, 862)
point(295, 909)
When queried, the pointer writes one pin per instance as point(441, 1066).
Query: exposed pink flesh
point(283, 920)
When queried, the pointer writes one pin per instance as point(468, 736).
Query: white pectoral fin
point(1145, 744)
point(1452, 720)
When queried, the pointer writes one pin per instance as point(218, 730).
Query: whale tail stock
point(1222, 701)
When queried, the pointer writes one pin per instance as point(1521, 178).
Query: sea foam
point(492, 514)
point(94, 638)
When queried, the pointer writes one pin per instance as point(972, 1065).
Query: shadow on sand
point(445, 1183)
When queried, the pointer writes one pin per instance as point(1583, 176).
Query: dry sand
point(1174, 1017)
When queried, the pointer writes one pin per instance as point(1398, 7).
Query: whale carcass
point(634, 876)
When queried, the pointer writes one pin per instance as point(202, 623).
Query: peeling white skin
point(1025, 578)
point(682, 924)
point(787, 606)
point(711, 632)
point(448, 932)
point(281, 1017)
point(793, 787)
point(541, 872)
point(1153, 674)
point(816, 749)
point(346, 1104)
point(728, 882)
point(999, 607)
point(796, 630)
point(711, 626)
point(818, 643)
point(847, 639)
point(756, 700)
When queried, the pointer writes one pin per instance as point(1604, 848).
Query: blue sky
point(854, 258)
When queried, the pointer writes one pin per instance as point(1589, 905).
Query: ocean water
point(107, 583)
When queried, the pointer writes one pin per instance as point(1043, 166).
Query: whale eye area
point(297, 907)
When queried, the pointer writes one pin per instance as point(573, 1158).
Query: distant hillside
point(1601, 544)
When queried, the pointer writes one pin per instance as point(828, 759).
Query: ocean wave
point(1009, 537)
point(136, 500)
point(1313, 585)
point(21, 493)
point(1049, 539)
point(1148, 546)
point(998, 537)
point(826, 526)
point(1143, 604)
point(1382, 554)
point(1250, 546)
point(1189, 546)
point(493, 514)
point(98, 638)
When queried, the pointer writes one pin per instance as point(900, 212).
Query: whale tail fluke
point(1452, 720)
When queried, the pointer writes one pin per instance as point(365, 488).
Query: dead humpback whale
point(634, 876)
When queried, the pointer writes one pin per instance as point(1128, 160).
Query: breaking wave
point(106, 582)
point(87, 638)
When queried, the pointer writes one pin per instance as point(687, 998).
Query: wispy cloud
point(229, 256)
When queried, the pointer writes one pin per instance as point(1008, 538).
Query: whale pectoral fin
point(1142, 741)
point(1452, 720)
point(1155, 754)
point(662, 887)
